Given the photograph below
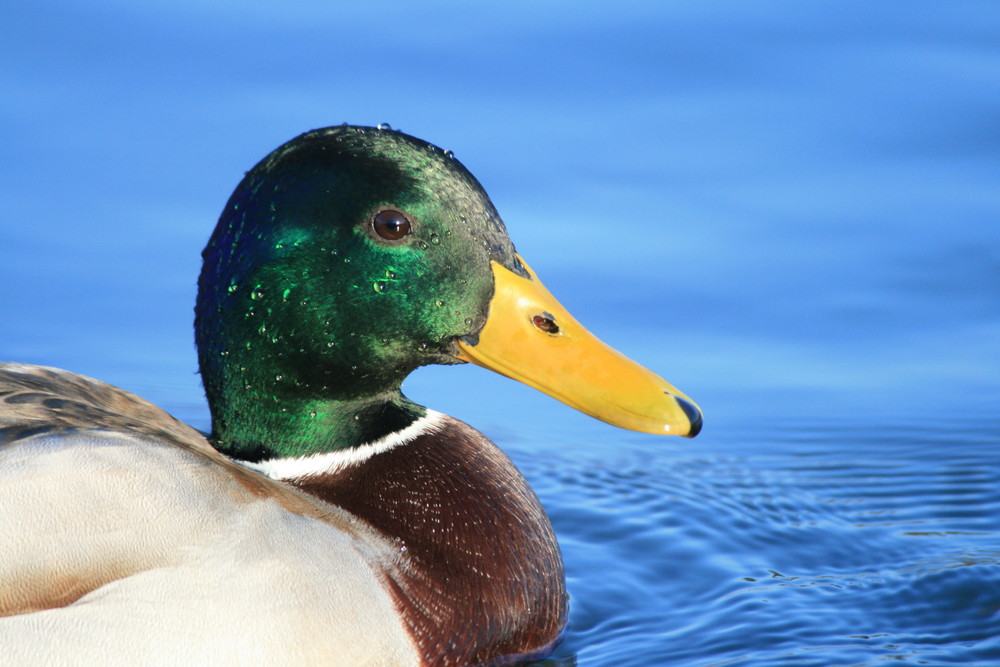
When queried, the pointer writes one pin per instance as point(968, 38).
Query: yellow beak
point(531, 338)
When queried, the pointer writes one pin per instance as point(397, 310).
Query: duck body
point(322, 551)
point(326, 519)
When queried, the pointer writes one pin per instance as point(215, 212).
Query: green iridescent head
point(352, 255)
point(344, 260)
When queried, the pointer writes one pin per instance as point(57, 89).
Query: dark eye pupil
point(391, 225)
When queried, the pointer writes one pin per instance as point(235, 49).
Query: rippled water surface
point(790, 210)
point(808, 550)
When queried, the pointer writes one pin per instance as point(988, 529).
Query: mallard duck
point(326, 519)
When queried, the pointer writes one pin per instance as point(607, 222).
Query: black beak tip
point(692, 413)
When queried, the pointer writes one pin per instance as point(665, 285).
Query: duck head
point(349, 257)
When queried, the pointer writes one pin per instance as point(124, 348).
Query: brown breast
point(481, 575)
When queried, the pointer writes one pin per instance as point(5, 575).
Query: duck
point(326, 518)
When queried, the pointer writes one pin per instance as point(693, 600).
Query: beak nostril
point(546, 323)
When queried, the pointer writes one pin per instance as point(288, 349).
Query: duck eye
point(391, 225)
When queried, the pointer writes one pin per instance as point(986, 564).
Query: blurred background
point(789, 210)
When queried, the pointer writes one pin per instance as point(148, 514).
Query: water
point(804, 552)
point(790, 210)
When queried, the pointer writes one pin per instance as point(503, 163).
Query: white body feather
point(201, 571)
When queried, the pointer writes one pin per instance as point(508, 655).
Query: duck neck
point(269, 423)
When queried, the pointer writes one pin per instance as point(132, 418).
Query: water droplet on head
point(379, 286)
point(448, 153)
point(468, 321)
point(384, 126)
point(423, 245)
point(279, 378)
point(435, 239)
point(257, 294)
point(439, 303)
point(232, 288)
point(313, 414)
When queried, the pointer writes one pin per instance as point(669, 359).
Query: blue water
point(790, 210)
